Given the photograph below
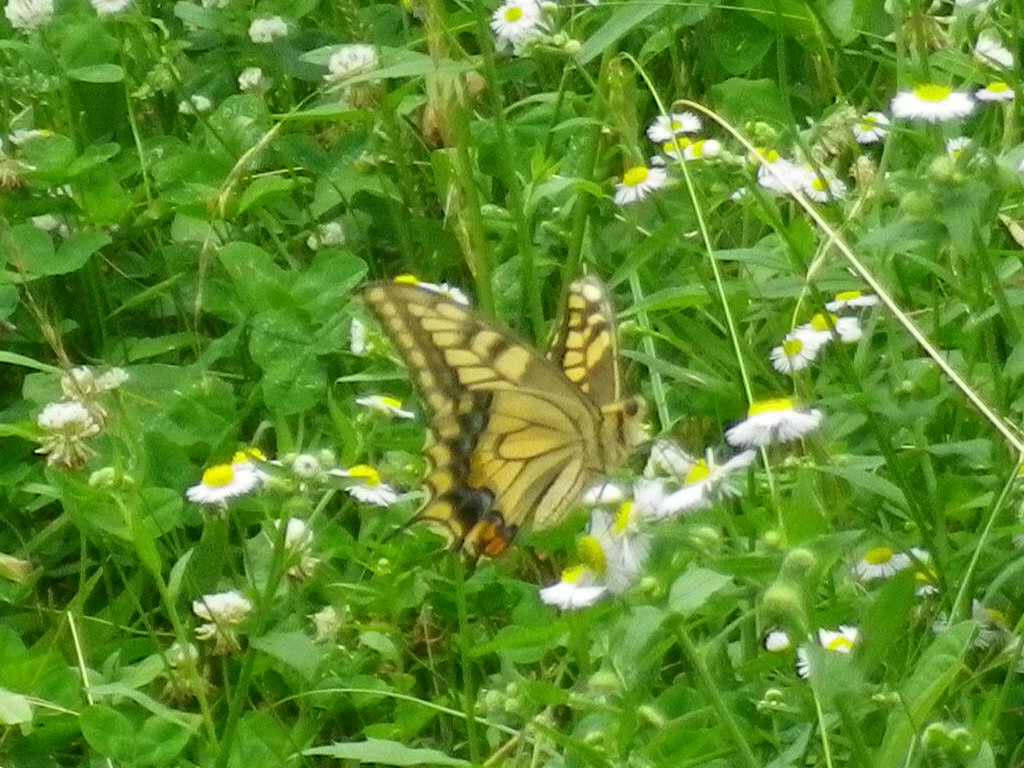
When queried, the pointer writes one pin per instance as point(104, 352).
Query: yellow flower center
point(391, 402)
point(573, 575)
point(218, 476)
point(823, 321)
point(513, 14)
point(635, 175)
point(407, 279)
point(676, 125)
point(848, 295)
point(769, 405)
point(366, 473)
point(592, 555)
point(792, 347)
point(841, 644)
point(675, 145)
point(932, 92)
point(998, 87)
point(698, 472)
point(820, 184)
point(248, 454)
point(878, 556)
point(622, 517)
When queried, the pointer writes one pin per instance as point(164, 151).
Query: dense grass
point(183, 241)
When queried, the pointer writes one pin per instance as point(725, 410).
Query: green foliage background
point(185, 261)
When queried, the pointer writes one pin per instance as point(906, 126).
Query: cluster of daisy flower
point(518, 24)
point(801, 346)
point(67, 424)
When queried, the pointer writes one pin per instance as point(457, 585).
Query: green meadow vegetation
point(809, 217)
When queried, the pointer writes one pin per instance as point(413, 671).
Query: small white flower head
point(326, 625)
point(931, 103)
point(839, 641)
point(823, 186)
point(223, 482)
point(576, 589)
point(112, 379)
point(357, 337)
point(195, 104)
point(68, 424)
point(674, 149)
point(990, 50)
point(517, 21)
point(798, 350)
point(368, 487)
point(851, 300)
point(824, 324)
point(252, 80)
point(350, 60)
point(298, 545)
point(48, 222)
point(872, 128)
point(703, 149)
point(667, 127)
point(925, 576)
point(668, 458)
point(388, 406)
point(455, 294)
point(604, 494)
point(79, 383)
point(880, 563)
point(777, 174)
point(777, 641)
point(268, 29)
point(28, 14)
point(996, 90)
point(306, 466)
point(638, 182)
point(23, 136)
point(107, 7)
point(957, 145)
point(704, 483)
point(773, 420)
point(223, 612)
point(327, 234)
point(622, 549)
point(994, 631)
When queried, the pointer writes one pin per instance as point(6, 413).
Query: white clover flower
point(107, 7)
point(773, 420)
point(195, 104)
point(851, 300)
point(326, 625)
point(990, 50)
point(222, 612)
point(28, 14)
point(823, 186)
point(368, 487)
point(50, 223)
point(455, 294)
point(777, 641)
point(997, 90)
point(252, 80)
point(388, 406)
point(880, 563)
point(112, 379)
point(68, 424)
point(798, 350)
point(327, 234)
point(777, 174)
point(349, 60)
point(872, 127)
point(517, 21)
point(223, 482)
point(638, 182)
point(932, 103)
point(268, 29)
point(667, 127)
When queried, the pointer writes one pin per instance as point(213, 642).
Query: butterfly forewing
point(513, 438)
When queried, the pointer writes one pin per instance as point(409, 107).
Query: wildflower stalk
point(469, 689)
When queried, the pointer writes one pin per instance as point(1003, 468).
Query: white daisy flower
point(777, 174)
point(823, 186)
point(702, 150)
point(704, 483)
point(389, 406)
point(667, 127)
point(957, 145)
point(28, 14)
point(932, 103)
point(223, 482)
point(777, 640)
point(824, 324)
point(994, 631)
point(851, 300)
point(223, 612)
point(872, 127)
point(576, 589)
point(990, 50)
point(604, 494)
point(836, 641)
point(673, 149)
point(369, 489)
point(252, 80)
point(638, 182)
point(880, 563)
point(516, 21)
point(797, 351)
point(997, 90)
point(267, 30)
point(623, 547)
point(667, 458)
point(455, 294)
point(106, 7)
point(773, 420)
point(350, 60)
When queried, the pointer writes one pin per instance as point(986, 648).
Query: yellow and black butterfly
point(514, 436)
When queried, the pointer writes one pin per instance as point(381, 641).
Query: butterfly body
point(514, 436)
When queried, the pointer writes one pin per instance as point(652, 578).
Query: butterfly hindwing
point(513, 439)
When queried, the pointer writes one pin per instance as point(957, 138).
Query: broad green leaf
point(263, 190)
point(28, 248)
point(623, 20)
point(693, 588)
point(384, 752)
point(741, 44)
point(257, 280)
point(743, 100)
point(293, 377)
point(295, 649)
point(97, 73)
point(74, 252)
point(108, 732)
